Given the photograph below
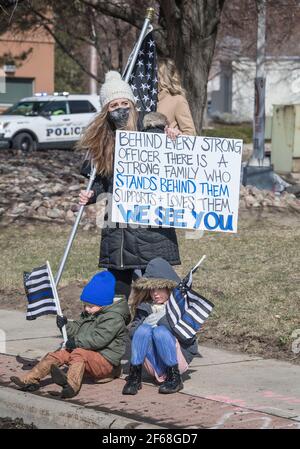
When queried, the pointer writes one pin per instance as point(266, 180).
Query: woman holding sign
point(172, 100)
point(123, 249)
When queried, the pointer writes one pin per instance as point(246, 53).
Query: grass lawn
point(252, 277)
point(242, 131)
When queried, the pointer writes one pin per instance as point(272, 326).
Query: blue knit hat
point(100, 291)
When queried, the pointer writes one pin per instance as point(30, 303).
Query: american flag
point(39, 293)
point(143, 79)
point(187, 310)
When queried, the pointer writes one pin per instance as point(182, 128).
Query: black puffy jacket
point(131, 247)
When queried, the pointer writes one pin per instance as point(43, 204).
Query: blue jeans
point(157, 344)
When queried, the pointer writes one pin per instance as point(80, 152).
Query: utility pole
point(260, 86)
point(259, 172)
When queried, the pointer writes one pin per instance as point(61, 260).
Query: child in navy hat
point(96, 341)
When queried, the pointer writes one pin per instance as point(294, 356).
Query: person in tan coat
point(172, 100)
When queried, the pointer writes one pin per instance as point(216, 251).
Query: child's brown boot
point(31, 381)
point(71, 382)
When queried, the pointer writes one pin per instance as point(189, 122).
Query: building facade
point(231, 90)
point(21, 78)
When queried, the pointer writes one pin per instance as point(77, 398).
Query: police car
point(47, 121)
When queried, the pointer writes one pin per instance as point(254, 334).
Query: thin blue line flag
point(187, 310)
point(39, 293)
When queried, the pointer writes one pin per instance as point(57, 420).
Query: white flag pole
point(74, 230)
point(198, 264)
point(56, 299)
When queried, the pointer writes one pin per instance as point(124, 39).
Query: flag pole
point(56, 299)
point(198, 264)
point(147, 23)
point(74, 230)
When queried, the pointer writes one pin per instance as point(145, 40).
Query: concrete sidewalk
point(221, 390)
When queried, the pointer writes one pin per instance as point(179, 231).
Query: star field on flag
point(143, 79)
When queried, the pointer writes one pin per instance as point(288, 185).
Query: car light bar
point(65, 94)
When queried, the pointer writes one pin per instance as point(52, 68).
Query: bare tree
point(237, 30)
point(184, 30)
point(75, 27)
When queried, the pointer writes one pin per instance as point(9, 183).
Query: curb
point(46, 413)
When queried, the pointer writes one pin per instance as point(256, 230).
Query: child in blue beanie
point(96, 341)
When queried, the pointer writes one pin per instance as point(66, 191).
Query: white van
point(47, 121)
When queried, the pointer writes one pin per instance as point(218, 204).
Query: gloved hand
point(151, 319)
point(61, 321)
point(70, 344)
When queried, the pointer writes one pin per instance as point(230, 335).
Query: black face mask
point(119, 117)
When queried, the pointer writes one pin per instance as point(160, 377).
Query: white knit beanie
point(113, 88)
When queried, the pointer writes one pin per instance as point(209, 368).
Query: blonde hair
point(169, 78)
point(137, 297)
point(99, 140)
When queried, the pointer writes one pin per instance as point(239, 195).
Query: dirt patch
point(261, 346)
point(68, 295)
point(70, 299)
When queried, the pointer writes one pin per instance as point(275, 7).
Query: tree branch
point(125, 12)
point(65, 29)
point(62, 46)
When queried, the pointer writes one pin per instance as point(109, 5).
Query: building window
point(14, 88)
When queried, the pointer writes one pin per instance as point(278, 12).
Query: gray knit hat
point(113, 88)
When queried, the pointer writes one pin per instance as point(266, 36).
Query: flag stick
point(57, 302)
point(149, 17)
point(198, 264)
point(73, 233)
point(147, 23)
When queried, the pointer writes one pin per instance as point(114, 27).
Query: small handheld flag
point(42, 295)
point(39, 293)
point(186, 309)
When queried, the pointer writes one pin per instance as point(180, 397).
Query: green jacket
point(104, 332)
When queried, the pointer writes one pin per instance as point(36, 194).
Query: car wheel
point(24, 142)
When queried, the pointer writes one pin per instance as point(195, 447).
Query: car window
point(81, 107)
point(25, 108)
point(56, 107)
